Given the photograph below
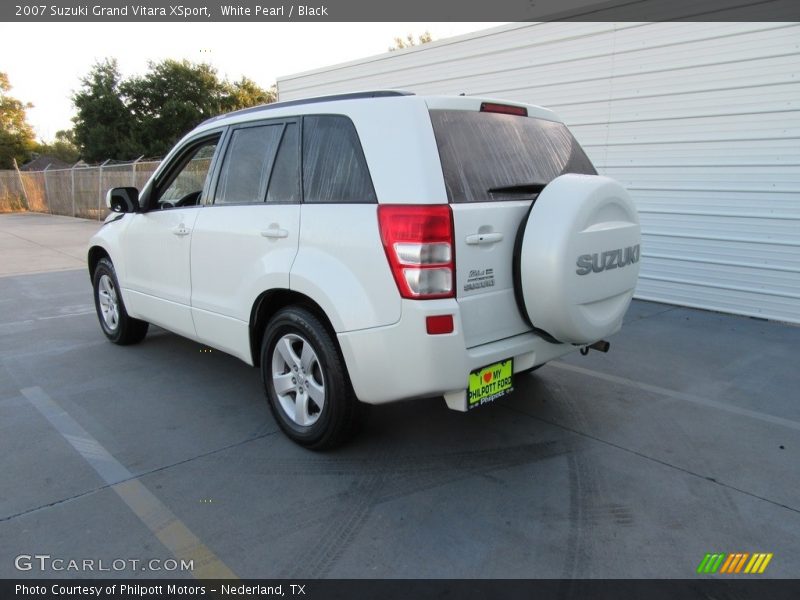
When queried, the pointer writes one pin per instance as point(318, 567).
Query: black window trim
point(210, 198)
point(299, 123)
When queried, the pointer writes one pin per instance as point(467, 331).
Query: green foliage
point(103, 123)
point(17, 139)
point(410, 42)
point(63, 147)
point(245, 93)
point(169, 100)
point(146, 115)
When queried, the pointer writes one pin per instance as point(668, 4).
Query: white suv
point(372, 247)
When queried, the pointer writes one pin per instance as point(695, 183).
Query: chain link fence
point(76, 192)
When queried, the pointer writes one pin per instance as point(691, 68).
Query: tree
point(169, 100)
point(16, 135)
point(245, 93)
point(103, 124)
point(154, 110)
point(409, 42)
point(63, 147)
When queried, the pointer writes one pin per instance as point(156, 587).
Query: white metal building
point(701, 122)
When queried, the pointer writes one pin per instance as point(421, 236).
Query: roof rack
point(314, 100)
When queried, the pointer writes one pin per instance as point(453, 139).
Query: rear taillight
point(419, 245)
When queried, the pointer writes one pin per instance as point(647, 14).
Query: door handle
point(181, 230)
point(275, 233)
point(484, 238)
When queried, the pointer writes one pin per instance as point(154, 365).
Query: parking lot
point(683, 440)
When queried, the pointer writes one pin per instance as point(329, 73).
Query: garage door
point(701, 121)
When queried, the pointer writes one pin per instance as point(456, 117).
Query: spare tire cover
point(579, 258)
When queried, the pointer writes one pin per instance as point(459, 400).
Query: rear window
point(481, 151)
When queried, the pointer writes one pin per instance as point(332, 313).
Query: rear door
point(245, 239)
point(494, 164)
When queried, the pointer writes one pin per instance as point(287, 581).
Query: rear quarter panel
point(342, 266)
point(341, 263)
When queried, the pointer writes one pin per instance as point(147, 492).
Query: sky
point(45, 61)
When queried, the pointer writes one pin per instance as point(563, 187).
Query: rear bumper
point(402, 360)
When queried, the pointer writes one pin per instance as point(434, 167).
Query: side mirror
point(123, 199)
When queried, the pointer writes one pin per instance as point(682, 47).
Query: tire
point(117, 326)
point(306, 381)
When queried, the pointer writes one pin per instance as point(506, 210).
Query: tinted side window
point(186, 177)
point(248, 162)
point(284, 185)
point(334, 169)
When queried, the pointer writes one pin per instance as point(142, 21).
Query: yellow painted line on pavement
point(152, 512)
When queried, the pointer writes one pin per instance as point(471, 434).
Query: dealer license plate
point(490, 383)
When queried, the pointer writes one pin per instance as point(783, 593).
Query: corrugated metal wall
point(701, 122)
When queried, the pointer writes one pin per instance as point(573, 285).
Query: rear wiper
point(518, 188)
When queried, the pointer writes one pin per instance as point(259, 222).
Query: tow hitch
point(602, 346)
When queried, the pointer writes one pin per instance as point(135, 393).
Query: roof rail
point(314, 100)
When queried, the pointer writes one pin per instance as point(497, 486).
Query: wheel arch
point(268, 303)
point(96, 253)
